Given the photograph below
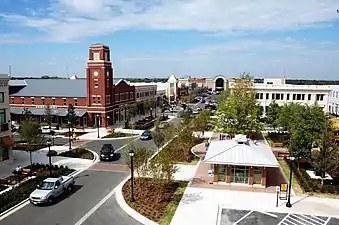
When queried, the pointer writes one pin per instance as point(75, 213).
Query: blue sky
point(155, 38)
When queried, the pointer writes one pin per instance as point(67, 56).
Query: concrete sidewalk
point(202, 205)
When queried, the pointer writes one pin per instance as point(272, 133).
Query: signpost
point(277, 188)
point(283, 191)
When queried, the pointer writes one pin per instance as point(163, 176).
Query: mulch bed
point(117, 135)
point(146, 202)
point(81, 153)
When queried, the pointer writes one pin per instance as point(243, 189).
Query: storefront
point(6, 144)
point(240, 161)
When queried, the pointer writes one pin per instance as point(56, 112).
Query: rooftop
point(240, 151)
point(51, 87)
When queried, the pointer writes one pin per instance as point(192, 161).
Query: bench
point(277, 145)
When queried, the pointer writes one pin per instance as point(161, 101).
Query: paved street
point(246, 217)
point(91, 187)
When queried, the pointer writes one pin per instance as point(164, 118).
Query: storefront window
point(171, 85)
point(221, 173)
point(257, 175)
point(239, 174)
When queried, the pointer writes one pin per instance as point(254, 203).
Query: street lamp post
point(53, 135)
point(69, 136)
point(131, 154)
point(288, 204)
point(49, 156)
point(98, 125)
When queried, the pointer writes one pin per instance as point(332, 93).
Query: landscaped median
point(156, 193)
point(21, 191)
point(81, 153)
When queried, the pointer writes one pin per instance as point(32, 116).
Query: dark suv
point(107, 152)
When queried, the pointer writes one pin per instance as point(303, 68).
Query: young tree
point(325, 160)
point(158, 137)
point(140, 158)
point(31, 134)
point(132, 111)
point(202, 120)
point(71, 116)
point(272, 115)
point(151, 104)
point(48, 114)
point(26, 114)
point(238, 111)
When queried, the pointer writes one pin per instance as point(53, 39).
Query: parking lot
point(247, 217)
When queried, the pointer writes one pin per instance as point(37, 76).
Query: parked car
point(107, 152)
point(47, 130)
point(50, 189)
point(146, 135)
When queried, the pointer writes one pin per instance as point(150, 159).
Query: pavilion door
point(221, 173)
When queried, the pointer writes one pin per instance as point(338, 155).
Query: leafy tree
point(71, 116)
point(272, 115)
point(161, 168)
point(31, 134)
point(238, 110)
point(132, 111)
point(26, 114)
point(158, 137)
point(140, 158)
point(326, 159)
point(151, 104)
point(48, 114)
point(202, 120)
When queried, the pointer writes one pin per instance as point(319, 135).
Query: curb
point(195, 146)
point(127, 209)
point(117, 138)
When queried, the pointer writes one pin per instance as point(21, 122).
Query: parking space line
point(303, 218)
point(269, 214)
point(282, 221)
point(312, 219)
point(318, 218)
point(122, 147)
point(327, 221)
point(247, 214)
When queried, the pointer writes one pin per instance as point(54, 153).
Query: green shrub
point(117, 135)
point(78, 153)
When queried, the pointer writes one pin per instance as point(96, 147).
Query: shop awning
point(6, 142)
point(42, 111)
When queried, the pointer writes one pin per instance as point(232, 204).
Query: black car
point(146, 135)
point(107, 152)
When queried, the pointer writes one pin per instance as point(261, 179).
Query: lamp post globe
point(131, 154)
point(49, 142)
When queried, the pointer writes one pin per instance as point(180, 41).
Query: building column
point(215, 173)
point(228, 174)
point(103, 120)
point(264, 176)
point(250, 179)
point(90, 121)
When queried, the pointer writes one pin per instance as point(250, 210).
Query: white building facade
point(6, 141)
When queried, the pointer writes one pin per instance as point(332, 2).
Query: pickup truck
point(50, 189)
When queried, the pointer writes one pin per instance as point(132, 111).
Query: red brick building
point(98, 96)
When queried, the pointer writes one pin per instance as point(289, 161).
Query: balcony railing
point(4, 127)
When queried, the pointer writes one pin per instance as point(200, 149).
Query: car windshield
point(106, 148)
point(146, 133)
point(46, 186)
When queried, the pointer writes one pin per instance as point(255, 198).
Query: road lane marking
point(122, 147)
point(327, 221)
point(282, 221)
point(269, 214)
point(247, 214)
point(99, 204)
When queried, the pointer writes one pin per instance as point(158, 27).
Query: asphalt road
point(91, 187)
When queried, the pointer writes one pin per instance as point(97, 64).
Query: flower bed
point(81, 153)
point(77, 134)
point(147, 202)
point(22, 192)
point(117, 135)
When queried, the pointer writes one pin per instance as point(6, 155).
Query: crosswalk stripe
point(300, 217)
point(312, 219)
point(282, 221)
point(294, 221)
point(318, 218)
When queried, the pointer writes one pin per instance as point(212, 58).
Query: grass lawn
point(173, 205)
point(147, 201)
point(117, 135)
point(295, 185)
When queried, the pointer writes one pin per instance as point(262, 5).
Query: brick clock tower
point(99, 77)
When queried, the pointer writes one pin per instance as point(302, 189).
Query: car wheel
point(70, 188)
point(50, 200)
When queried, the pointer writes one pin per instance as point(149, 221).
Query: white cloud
point(71, 20)
point(270, 58)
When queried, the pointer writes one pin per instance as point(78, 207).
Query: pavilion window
point(53, 101)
